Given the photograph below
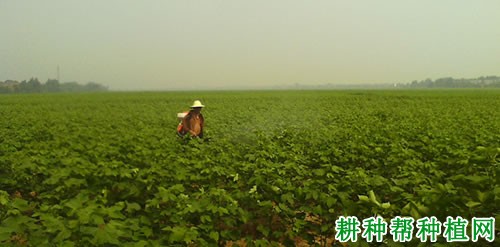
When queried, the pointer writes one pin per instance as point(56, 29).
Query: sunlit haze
point(163, 45)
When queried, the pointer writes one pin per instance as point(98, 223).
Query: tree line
point(449, 82)
point(33, 85)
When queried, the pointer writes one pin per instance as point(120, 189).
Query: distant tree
point(52, 85)
point(70, 87)
point(94, 87)
point(34, 86)
point(427, 83)
point(3, 87)
point(22, 87)
point(444, 82)
point(449, 82)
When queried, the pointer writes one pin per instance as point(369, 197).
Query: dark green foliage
point(275, 167)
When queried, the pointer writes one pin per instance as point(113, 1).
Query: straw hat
point(197, 103)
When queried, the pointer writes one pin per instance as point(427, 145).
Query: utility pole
point(58, 74)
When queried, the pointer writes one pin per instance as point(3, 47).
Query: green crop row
point(274, 168)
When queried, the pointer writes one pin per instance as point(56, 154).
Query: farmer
point(192, 121)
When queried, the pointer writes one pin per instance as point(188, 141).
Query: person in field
point(192, 121)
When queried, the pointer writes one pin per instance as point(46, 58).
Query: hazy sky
point(167, 44)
